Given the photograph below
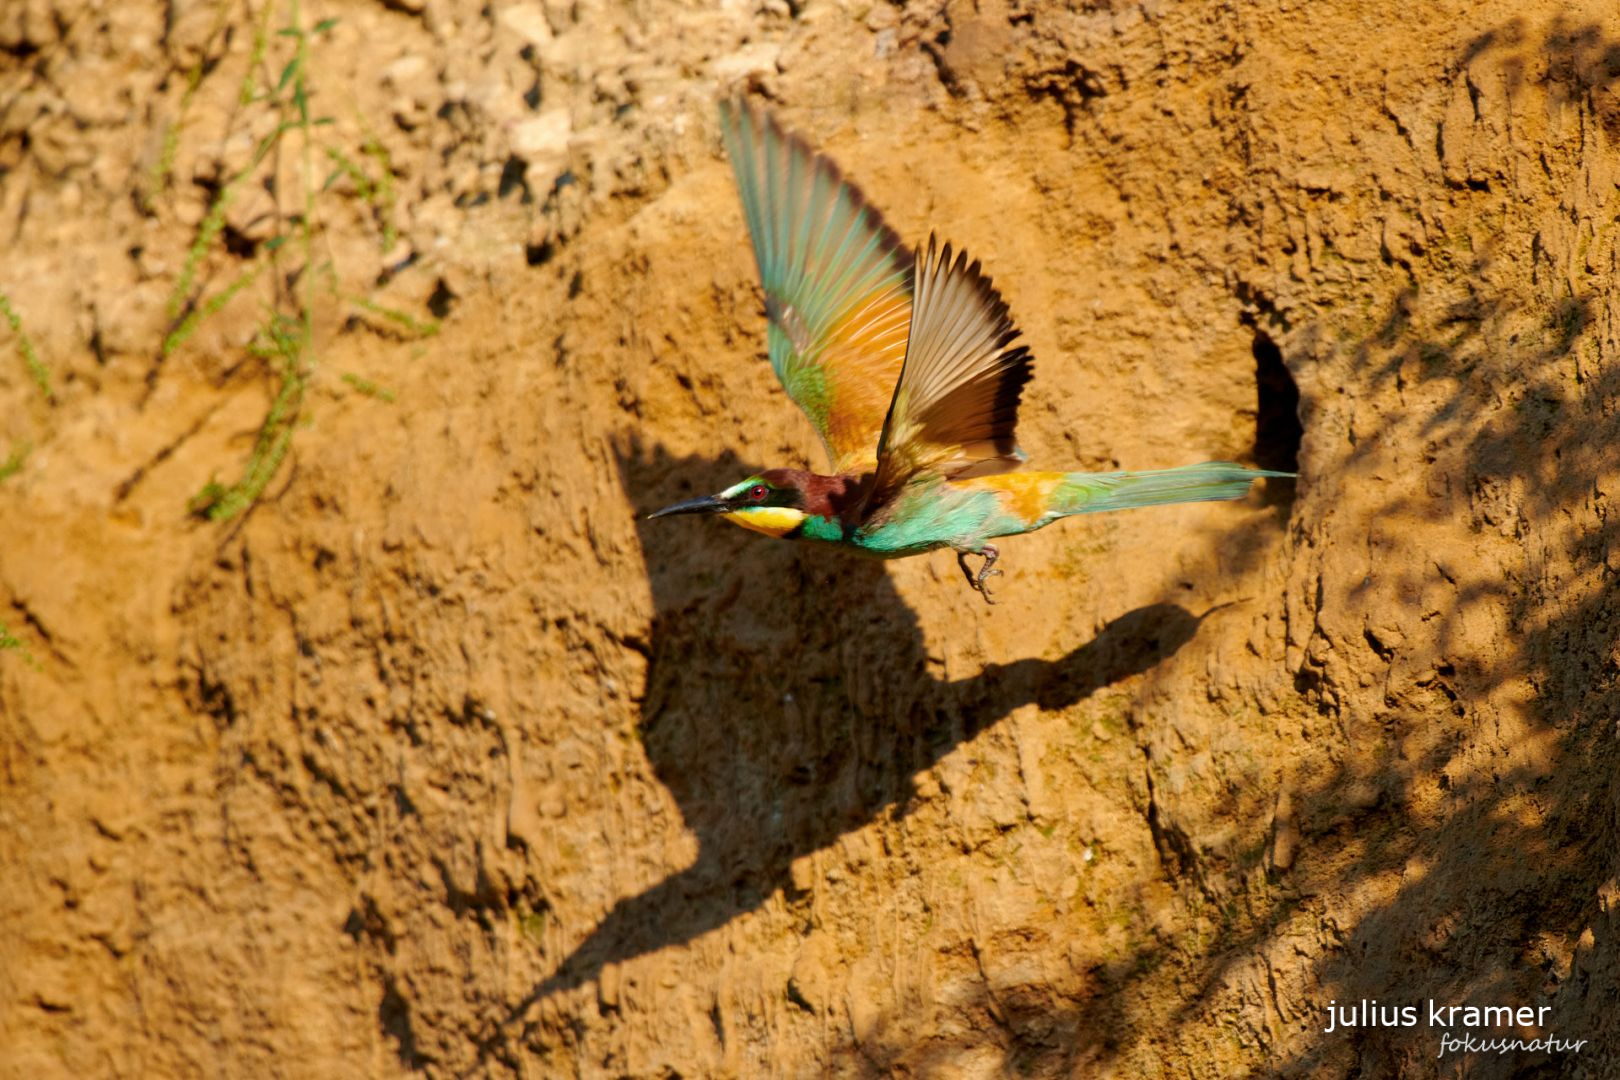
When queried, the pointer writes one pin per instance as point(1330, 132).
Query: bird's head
point(771, 502)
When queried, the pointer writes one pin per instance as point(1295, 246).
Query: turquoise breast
point(929, 516)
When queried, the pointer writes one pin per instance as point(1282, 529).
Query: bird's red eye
point(758, 492)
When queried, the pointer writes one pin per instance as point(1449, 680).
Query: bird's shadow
point(789, 700)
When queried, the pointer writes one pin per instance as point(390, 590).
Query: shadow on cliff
point(1492, 852)
point(789, 700)
point(1495, 873)
point(1462, 842)
point(1506, 867)
point(1477, 799)
point(1501, 844)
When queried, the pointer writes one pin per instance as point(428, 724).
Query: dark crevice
point(394, 1014)
point(935, 50)
point(239, 243)
point(539, 254)
point(1074, 88)
point(1177, 858)
point(440, 302)
point(514, 179)
point(1277, 428)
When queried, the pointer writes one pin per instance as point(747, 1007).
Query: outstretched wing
point(955, 407)
point(837, 284)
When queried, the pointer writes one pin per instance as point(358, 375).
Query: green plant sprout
point(14, 460)
point(25, 347)
point(159, 173)
point(365, 386)
point(10, 642)
point(193, 318)
point(379, 193)
point(414, 327)
point(285, 341)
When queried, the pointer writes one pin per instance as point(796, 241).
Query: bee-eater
point(909, 369)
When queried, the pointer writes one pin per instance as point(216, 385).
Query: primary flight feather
point(909, 369)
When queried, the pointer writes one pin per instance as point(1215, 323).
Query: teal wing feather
point(837, 283)
point(1090, 493)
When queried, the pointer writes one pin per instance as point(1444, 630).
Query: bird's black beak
point(707, 504)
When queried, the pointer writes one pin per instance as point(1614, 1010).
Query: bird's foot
point(976, 581)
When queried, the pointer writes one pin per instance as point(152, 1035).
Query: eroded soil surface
point(438, 757)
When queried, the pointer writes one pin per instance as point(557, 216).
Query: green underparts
point(815, 527)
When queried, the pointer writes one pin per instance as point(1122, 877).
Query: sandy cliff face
point(441, 758)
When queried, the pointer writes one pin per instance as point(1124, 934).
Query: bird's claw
point(977, 581)
point(984, 589)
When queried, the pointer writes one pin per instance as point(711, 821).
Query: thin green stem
point(25, 348)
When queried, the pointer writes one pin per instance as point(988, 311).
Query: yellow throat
point(775, 521)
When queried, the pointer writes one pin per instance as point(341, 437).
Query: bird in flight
point(910, 370)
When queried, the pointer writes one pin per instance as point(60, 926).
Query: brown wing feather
point(955, 408)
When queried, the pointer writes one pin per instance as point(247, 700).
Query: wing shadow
point(788, 701)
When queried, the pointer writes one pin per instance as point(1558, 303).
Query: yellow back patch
point(771, 520)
